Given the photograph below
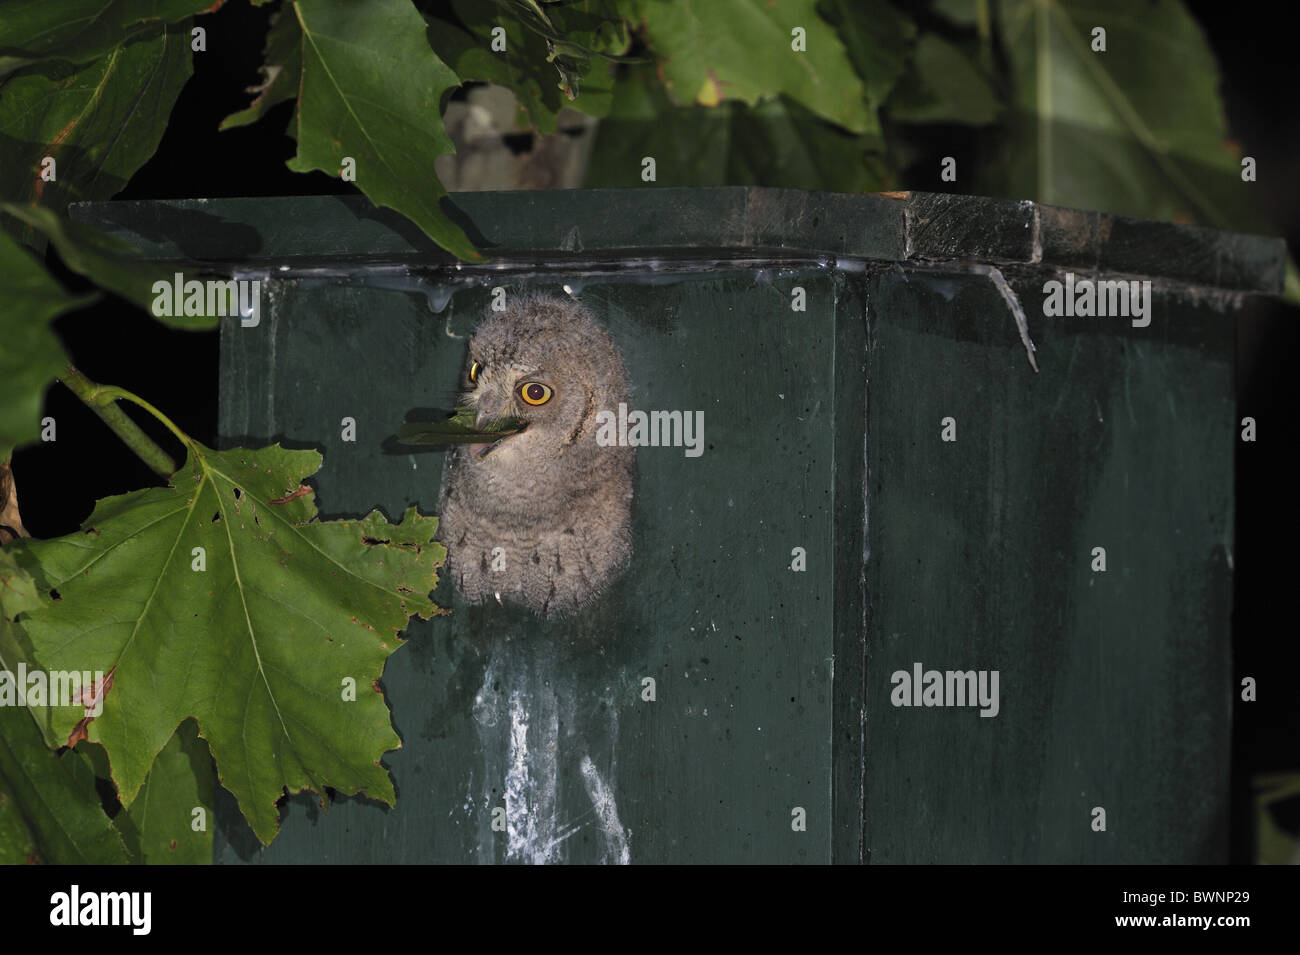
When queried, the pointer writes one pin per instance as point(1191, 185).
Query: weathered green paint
point(823, 432)
point(1116, 687)
point(739, 647)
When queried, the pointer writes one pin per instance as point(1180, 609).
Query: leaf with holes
point(221, 597)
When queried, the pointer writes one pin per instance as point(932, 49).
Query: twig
point(100, 399)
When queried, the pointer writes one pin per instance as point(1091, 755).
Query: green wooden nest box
point(911, 601)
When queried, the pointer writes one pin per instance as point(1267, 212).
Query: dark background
point(59, 482)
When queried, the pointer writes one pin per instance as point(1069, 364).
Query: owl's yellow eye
point(474, 369)
point(535, 393)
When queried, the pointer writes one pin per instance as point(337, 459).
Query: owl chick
point(541, 517)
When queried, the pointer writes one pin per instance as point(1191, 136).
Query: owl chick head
point(548, 362)
point(540, 516)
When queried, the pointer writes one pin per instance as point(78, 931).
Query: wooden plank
point(580, 225)
point(851, 492)
point(1112, 685)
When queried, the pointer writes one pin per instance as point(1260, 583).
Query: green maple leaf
point(49, 810)
point(368, 88)
point(257, 636)
point(158, 826)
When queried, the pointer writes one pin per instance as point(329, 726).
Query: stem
point(100, 398)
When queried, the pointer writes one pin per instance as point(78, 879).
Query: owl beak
point(480, 451)
point(487, 414)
